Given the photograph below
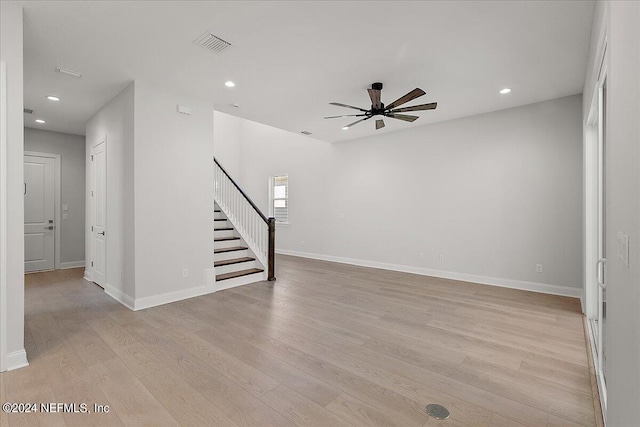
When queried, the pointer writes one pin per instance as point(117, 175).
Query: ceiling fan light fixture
point(53, 98)
point(505, 91)
point(68, 72)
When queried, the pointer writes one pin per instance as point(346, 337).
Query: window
point(280, 198)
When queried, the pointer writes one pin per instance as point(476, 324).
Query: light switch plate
point(65, 207)
point(623, 247)
point(65, 216)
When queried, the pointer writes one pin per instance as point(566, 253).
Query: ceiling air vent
point(28, 111)
point(305, 132)
point(211, 42)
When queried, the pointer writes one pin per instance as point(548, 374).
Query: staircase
point(234, 262)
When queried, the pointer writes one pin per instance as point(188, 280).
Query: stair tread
point(232, 249)
point(233, 261)
point(223, 239)
point(217, 210)
point(240, 273)
point(223, 229)
point(220, 219)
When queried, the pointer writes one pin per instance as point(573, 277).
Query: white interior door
point(39, 213)
point(98, 214)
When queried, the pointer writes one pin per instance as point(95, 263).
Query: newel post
point(271, 275)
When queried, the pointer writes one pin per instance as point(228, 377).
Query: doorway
point(98, 213)
point(596, 228)
point(41, 211)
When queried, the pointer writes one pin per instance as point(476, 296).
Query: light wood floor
point(327, 344)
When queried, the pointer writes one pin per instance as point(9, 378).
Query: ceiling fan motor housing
point(376, 86)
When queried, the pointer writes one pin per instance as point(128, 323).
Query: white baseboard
point(169, 297)
point(87, 275)
point(16, 360)
point(72, 264)
point(119, 296)
point(544, 288)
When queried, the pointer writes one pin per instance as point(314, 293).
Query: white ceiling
point(290, 59)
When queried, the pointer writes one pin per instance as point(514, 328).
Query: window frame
point(272, 198)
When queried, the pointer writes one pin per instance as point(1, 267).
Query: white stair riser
point(217, 215)
point(236, 267)
point(221, 224)
point(223, 233)
point(228, 244)
point(230, 255)
point(239, 281)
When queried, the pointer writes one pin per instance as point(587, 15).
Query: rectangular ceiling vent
point(305, 132)
point(28, 111)
point(212, 42)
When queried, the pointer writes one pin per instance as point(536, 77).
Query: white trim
point(57, 190)
point(17, 359)
point(71, 264)
point(543, 288)
point(169, 297)
point(3, 216)
point(118, 295)
point(87, 275)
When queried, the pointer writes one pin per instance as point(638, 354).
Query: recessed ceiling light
point(53, 98)
point(229, 84)
point(40, 121)
point(505, 90)
point(345, 128)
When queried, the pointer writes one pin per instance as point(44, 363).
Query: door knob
point(49, 227)
point(102, 233)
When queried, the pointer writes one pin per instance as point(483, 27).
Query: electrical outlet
point(538, 268)
point(185, 273)
point(341, 216)
point(441, 257)
point(421, 255)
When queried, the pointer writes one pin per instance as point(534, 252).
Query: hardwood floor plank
point(300, 410)
point(128, 397)
point(359, 413)
point(252, 380)
point(242, 407)
point(182, 401)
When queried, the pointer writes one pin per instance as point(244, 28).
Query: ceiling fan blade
point(347, 115)
point(417, 92)
point(404, 117)
point(421, 107)
point(374, 94)
point(347, 106)
point(356, 122)
point(379, 124)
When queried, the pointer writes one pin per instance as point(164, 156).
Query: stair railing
point(255, 228)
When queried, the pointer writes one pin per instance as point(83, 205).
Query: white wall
point(71, 149)
point(620, 23)
point(495, 194)
point(11, 52)
point(227, 151)
point(115, 121)
point(174, 195)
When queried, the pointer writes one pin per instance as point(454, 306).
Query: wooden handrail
point(247, 198)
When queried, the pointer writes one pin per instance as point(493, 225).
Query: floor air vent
point(28, 111)
point(212, 42)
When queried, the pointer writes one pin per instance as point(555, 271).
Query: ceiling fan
point(391, 110)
